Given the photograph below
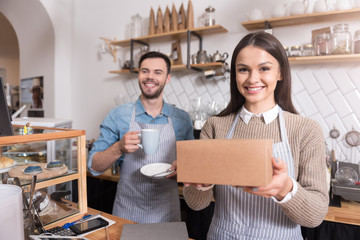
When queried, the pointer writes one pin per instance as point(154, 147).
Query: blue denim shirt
point(117, 123)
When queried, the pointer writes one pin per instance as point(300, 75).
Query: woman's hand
point(281, 184)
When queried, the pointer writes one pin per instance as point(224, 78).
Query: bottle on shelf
point(323, 44)
point(209, 16)
point(136, 26)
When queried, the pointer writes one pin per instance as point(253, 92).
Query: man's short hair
point(154, 54)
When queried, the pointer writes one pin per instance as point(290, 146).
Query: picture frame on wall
point(32, 95)
point(176, 53)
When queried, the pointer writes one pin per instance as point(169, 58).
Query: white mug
point(149, 140)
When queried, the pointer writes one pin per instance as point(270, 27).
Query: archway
point(36, 38)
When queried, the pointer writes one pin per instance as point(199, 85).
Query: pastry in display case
point(50, 165)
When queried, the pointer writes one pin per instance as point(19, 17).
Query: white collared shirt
point(268, 116)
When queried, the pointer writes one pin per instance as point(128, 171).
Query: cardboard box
point(237, 162)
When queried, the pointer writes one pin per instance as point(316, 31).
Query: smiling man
point(140, 198)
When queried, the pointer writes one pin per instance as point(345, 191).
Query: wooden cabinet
point(339, 16)
point(187, 34)
point(66, 145)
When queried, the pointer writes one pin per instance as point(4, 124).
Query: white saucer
point(152, 169)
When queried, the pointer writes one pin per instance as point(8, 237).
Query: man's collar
point(268, 116)
point(139, 108)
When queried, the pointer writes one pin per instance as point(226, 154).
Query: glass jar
point(308, 50)
point(341, 39)
point(323, 44)
point(286, 48)
point(295, 51)
point(210, 16)
point(357, 42)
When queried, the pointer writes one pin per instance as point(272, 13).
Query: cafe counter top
point(348, 213)
point(114, 231)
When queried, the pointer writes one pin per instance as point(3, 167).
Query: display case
point(53, 185)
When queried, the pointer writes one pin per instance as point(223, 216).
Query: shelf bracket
point(132, 41)
point(112, 49)
point(189, 33)
point(267, 25)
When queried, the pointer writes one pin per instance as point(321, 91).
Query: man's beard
point(153, 95)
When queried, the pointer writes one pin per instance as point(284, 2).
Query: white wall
point(312, 94)
point(61, 14)
point(85, 90)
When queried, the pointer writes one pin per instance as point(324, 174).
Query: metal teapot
point(202, 56)
point(218, 57)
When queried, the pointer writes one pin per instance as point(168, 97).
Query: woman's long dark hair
point(273, 46)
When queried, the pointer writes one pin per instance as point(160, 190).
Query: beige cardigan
point(309, 205)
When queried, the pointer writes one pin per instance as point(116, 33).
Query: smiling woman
point(260, 108)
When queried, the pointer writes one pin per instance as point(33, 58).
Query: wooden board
point(159, 21)
point(167, 20)
point(182, 23)
point(152, 22)
point(190, 16)
point(45, 174)
point(174, 19)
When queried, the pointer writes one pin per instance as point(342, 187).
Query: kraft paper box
point(237, 162)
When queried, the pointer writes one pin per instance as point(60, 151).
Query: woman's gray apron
point(140, 198)
point(240, 215)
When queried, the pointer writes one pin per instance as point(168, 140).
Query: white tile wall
point(329, 94)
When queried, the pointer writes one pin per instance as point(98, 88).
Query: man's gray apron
point(240, 215)
point(140, 198)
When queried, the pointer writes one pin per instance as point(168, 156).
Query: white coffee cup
point(11, 209)
point(149, 140)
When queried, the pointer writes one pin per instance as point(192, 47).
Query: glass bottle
point(357, 42)
point(323, 44)
point(136, 26)
point(295, 51)
point(308, 50)
point(341, 39)
point(210, 16)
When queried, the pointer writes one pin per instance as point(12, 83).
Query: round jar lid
point(210, 9)
point(295, 47)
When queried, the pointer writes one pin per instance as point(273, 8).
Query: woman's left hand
point(281, 184)
point(173, 168)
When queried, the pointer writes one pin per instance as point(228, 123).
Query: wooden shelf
point(324, 59)
point(345, 15)
point(163, 37)
point(175, 68)
point(207, 66)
